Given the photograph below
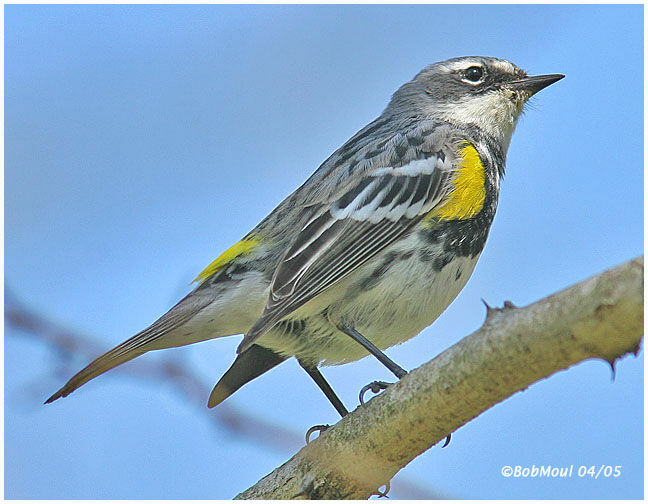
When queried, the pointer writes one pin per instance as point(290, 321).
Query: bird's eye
point(474, 74)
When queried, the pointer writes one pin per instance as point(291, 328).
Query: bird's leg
point(317, 377)
point(373, 350)
point(325, 387)
point(376, 386)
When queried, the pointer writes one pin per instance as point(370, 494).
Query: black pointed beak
point(534, 84)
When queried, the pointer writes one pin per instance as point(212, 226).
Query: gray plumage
point(359, 243)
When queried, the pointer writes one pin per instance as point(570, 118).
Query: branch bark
point(601, 317)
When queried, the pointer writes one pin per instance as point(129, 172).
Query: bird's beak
point(532, 85)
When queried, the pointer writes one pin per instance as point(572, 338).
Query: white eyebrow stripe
point(505, 66)
point(463, 64)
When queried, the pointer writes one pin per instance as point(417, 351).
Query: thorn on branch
point(490, 311)
point(612, 363)
point(489, 308)
point(637, 348)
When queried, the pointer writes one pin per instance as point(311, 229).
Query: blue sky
point(142, 141)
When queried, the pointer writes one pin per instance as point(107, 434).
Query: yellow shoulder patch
point(243, 247)
point(467, 198)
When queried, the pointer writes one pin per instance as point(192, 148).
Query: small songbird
point(371, 248)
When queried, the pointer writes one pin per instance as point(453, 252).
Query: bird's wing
point(349, 230)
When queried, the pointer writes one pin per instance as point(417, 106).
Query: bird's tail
point(100, 365)
point(158, 335)
point(253, 362)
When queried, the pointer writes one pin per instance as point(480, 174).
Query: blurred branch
point(601, 317)
point(71, 348)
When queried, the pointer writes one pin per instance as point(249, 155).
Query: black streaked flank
point(432, 235)
point(405, 256)
point(438, 260)
point(441, 261)
point(384, 265)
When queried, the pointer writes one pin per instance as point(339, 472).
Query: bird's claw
point(375, 387)
point(447, 441)
point(383, 495)
point(315, 428)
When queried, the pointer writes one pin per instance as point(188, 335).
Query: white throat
point(493, 113)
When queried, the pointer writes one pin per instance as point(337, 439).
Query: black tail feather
point(253, 362)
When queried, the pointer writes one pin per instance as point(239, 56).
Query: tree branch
point(601, 317)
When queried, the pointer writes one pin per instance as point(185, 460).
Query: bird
point(370, 249)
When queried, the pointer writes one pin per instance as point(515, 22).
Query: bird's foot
point(383, 495)
point(374, 387)
point(313, 429)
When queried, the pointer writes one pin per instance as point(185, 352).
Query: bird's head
point(488, 93)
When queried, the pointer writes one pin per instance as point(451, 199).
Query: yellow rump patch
point(243, 247)
point(467, 198)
